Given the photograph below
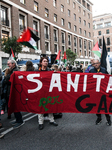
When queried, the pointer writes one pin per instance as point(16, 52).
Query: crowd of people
point(5, 85)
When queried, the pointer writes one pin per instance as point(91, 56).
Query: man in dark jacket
point(98, 69)
point(13, 67)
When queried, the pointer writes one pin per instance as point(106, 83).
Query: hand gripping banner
point(54, 92)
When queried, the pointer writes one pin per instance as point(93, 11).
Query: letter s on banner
point(39, 83)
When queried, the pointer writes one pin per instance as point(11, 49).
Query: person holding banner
point(98, 69)
point(13, 67)
point(43, 66)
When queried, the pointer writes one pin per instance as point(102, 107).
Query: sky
point(101, 7)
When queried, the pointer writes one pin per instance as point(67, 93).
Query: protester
point(43, 66)
point(90, 66)
point(98, 69)
point(13, 67)
point(29, 66)
point(57, 115)
point(5, 93)
point(1, 135)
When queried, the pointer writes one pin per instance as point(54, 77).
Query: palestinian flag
point(12, 57)
point(29, 39)
point(58, 58)
point(65, 59)
point(96, 50)
point(104, 58)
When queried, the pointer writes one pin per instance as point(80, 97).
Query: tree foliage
point(11, 42)
point(71, 56)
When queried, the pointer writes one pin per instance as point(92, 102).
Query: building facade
point(102, 26)
point(61, 25)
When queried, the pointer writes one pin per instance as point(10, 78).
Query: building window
point(107, 31)
point(84, 23)
point(85, 44)
point(69, 39)
point(80, 30)
point(79, 1)
point(79, 10)
point(85, 53)
point(75, 51)
point(100, 42)
point(55, 48)
point(88, 6)
point(62, 8)
point(75, 28)
point(54, 3)
point(79, 20)
point(108, 41)
point(99, 32)
point(74, 5)
point(69, 25)
point(35, 27)
point(75, 42)
point(80, 43)
point(89, 44)
point(55, 35)
point(21, 22)
point(62, 21)
point(74, 16)
point(89, 53)
point(63, 49)
point(47, 46)
point(5, 35)
point(4, 16)
point(68, 1)
point(88, 25)
point(99, 26)
point(68, 12)
point(88, 16)
point(46, 31)
point(22, 1)
point(36, 6)
point(63, 37)
point(55, 18)
point(108, 49)
point(46, 12)
point(84, 32)
point(89, 34)
point(84, 13)
point(80, 52)
point(107, 24)
point(84, 3)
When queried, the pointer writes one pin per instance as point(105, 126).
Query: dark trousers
point(18, 117)
point(106, 115)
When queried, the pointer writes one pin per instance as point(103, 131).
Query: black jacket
point(102, 70)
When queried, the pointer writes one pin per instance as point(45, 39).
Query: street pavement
point(74, 132)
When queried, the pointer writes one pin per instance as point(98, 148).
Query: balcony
point(5, 22)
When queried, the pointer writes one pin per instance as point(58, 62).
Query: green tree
point(71, 56)
point(11, 42)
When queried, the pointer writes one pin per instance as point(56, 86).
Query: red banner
point(54, 92)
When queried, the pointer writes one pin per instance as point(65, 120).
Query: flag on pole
point(58, 58)
point(29, 39)
point(12, 57)
point(96, 50)
point(104, 58)
point(65, 59)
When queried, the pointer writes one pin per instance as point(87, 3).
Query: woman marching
point(43, 66)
